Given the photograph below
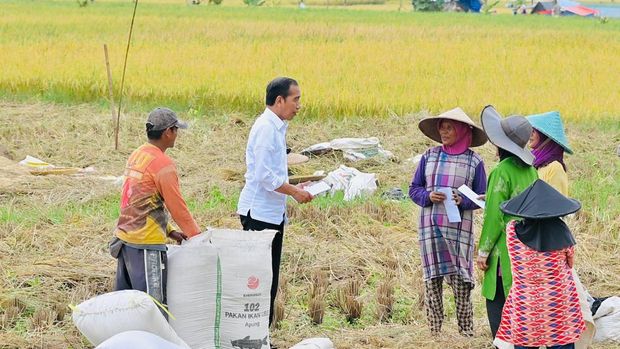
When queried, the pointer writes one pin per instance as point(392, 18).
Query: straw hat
point(295, 159)
point(550, 124)
point(510, 134)
point(428, 126)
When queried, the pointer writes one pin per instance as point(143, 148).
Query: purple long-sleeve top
point(421, 196)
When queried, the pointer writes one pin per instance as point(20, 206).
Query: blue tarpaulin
point(471, 5)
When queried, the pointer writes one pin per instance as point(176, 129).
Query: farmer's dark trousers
point(250, 223)
point(143, 270)
point(495, 307)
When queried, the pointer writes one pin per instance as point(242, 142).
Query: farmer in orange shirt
point(150, 191)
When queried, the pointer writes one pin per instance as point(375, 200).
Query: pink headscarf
point(463, 137)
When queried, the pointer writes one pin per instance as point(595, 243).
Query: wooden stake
point(120, 98)
point(110, 90)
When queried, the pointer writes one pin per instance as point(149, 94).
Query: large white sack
point(245, 260)
point(234, 286)
point(137, 340)
point(314, 343)
point(607, 321)
point(191, 291)
point(109, 314)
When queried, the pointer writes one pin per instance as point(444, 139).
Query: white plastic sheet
point(354, 149)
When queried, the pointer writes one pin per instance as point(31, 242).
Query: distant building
point(564, 7)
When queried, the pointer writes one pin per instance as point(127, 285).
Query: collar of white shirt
point(275, 120)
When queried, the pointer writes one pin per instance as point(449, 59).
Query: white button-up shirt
point(267, 170)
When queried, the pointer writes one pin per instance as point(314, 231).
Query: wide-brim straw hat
point(511, 133)
point(550, 124)
point(428, 126)
point(295, 159)
point(540, 201)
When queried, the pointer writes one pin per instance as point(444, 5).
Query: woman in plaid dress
point(447, 247)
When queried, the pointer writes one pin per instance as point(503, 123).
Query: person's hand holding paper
point(452, 211)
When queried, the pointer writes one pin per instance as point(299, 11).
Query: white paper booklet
point(317, 188)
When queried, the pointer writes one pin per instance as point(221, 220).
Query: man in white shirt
point(262, 203)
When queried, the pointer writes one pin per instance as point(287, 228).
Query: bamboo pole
point(120, 98)
point(110, 90)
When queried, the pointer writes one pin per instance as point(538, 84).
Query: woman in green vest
point(511, 176)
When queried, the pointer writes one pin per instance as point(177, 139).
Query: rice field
point(348, 62)
point(54, 230)
point(362, 73)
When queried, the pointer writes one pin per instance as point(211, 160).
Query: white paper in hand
point(452, 211)
point(471, 195)
point(317, 188)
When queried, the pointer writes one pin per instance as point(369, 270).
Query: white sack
point(245, 259)
point(137, 340)
point(234, 312)
point(191, 292)
point(314, 343)
point(607, 321)
point(109, 314)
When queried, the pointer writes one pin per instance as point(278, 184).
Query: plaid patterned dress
point(447, 248)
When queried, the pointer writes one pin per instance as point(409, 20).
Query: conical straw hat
point(428, 126)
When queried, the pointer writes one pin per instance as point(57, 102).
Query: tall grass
point(348, 62)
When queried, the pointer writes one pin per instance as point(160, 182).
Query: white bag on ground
point(191, 291)
point(364, 184)
point(314, 343)
point(607, 321)
point(137, 340)
point(224, 299)
point(354, 182)
point(109, 314)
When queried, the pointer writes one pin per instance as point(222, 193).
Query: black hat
point(540, 201)
point(541, 206)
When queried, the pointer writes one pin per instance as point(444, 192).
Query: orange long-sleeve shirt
point(151, 186)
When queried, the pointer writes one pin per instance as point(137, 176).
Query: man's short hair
point(278, 87)
point(154, 135)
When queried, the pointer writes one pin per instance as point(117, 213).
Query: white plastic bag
point(361, 185)
point(137, 340)
point(109, 314)
point(352, 181)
